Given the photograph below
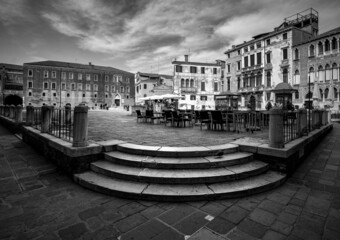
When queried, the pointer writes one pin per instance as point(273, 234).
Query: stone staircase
point(179, 173)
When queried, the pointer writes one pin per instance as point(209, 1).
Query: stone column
point(68, 114)
point(29, 115)
point(80, 126)
point(276, 137)
point(11, 111)
point(46, 112)
point(18, 114)
point(302, 122)
point(6, 111)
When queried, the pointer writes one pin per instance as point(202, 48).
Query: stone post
point(315, 118)
point(46, 118)
point(18, 114)
point(276, 137)
point(29, 115)
point(68, 114)
point(80, 126)
point(11, 112)
point(6, 111)
point(2, 110)
point(302, 122)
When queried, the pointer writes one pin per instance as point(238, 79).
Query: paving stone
point(263, 217)
point(282, 227)
point(293, 209)
point(252, 228)
point(130, 222)
point(107, 232)
point(271, 235)
point(94, 223)
point(302, 233)
point(152, 212)
point(280, 198)
point(317, 205)
point(287, 218)
point(237, 234)
point(176, 214)
point(192, 223)
point(234, 214)
point(91, 212)
point(73, 232)
point(213, 208)
point(220, 225)
point(331, 235)
point(297, 202)
point(169, 234)
point(146, 231)
point(248, 203)
point(131, 208)
point(333, 224)
point(271, 206)
point(206, 234)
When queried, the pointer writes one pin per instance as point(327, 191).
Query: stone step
point(178, 163)
point(179, 176)
point(163, 151)
point(179, 192)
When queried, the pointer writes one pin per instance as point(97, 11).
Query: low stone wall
point(10, 124)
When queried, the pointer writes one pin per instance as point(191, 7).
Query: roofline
point(196, 63)
point(319, 37)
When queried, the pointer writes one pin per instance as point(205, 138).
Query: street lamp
point(309, 103)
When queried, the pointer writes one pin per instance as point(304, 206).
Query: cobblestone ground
point(39, 202)
point(106, 125)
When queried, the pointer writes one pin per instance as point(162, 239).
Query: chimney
point(90, 63)
point(186, 57)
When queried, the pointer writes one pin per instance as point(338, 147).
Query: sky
point(141, 35)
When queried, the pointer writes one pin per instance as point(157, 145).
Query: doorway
point(13, 100)
point(252, 103)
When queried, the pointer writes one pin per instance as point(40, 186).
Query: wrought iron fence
point(36, 123)
point(249, 121)
point(61, 125)
point(291, 125)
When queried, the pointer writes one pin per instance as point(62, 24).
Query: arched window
point(252, 80)
point(335, 71)
point(258, 79)
point(311, 74)
point(269, 79)
point(297, 95)
point(321, 74)
point(182, 82)
point(320, 48)
point(336, 94)
point(296, 54)
point(326, 93)
point(285, 75)
point(311, 50)
point(321, 94)
point(328, 72)
point(334, 44)
point(187, 84)
point(192, 83)
point(327, 45)
point(296, 77)
point(245, 80)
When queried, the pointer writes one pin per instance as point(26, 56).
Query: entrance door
point(117, 102)
point(252, 103)
point(13, 100)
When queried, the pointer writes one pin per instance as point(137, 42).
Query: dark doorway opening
point(13, 100)
point(252, 103)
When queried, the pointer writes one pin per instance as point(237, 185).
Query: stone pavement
point(39, 202)
point(107, 125)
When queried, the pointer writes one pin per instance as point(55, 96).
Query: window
point(268, 57)
point(145, 86)
point(328, 72)
point(127, 96)
point(30, 84)
point(215, 86)
point(54, 94)
point(245, 61)
point(83, 94)
point(228, 84)
point(228, 68)
point(88, 87)
point(63, 86)
point(238, 83)
point(259, 58)
point(245, 81)
point(311, 50)
point(296, 77)
point(258, 45)
point(182, 82)
point(285, 53)
point(127, 89)
point(284, 36)
point(54, 74)
point(45, 85)
point(128, 80)
point(193, 69)
point(285, 75)
point(228, 55)
point(268, 42)
point(106, 88)
point(43, 94)
point(70, 75)
point(88, 77)
point(239, 65)
point(327, 45)
point(192, 83)
point(73, 87)
point(202, 86)
point(187, 83)
point(80, 86)
point(252, 47)
point(95, 96)
point(252, 60)
point(119, 78)
point(245, 49)
point(53, 86)
point(45, 74)
point(63, 75)
point(321, 74)
point(95, 87)
point(238, 52)
point(204, 98)
point(29, 94)
point(203, 70)
point(96, 78)
point(121, 89)
point(269, 81)
point(320, 48)
point(311, 74)
point(179, 68)
point(192, 97)
point(296, 54)
point(335, 71)
point(297, 95)
point(334, 44)
point(215, 70)
point(80, 76)
point(30, 73)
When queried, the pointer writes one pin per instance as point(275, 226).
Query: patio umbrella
point(316, 91)
point(171, 96)
point(330, 96)
point(272, 96)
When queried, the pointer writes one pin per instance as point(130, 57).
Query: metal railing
point(248, 120)
point(291, 125)
point(37, 118)
point(61, 125)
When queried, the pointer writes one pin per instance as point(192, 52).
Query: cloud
point(14, 11)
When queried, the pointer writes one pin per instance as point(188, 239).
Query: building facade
point(198, 83)
point(316, 64)
point(150, 84)
point(60, 83)
point(256, 67)
point(11, 84)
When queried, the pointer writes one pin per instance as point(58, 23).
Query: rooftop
point(11, 66)
point(196, 63)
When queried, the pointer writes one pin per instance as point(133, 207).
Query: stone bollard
point(68, 114)
point(29, 115)
point(315, 119)
point(18, 114)
point(324, 118)
point(303, 122)
point(6, 111)
point(276, 137)
point(80, 126)
point(2, 110)
point(46, 118)
point(11, 112)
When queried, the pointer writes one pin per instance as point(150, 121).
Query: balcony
point(251, 68)
point(188, 89)
point(284, 63)
point(268, 66)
